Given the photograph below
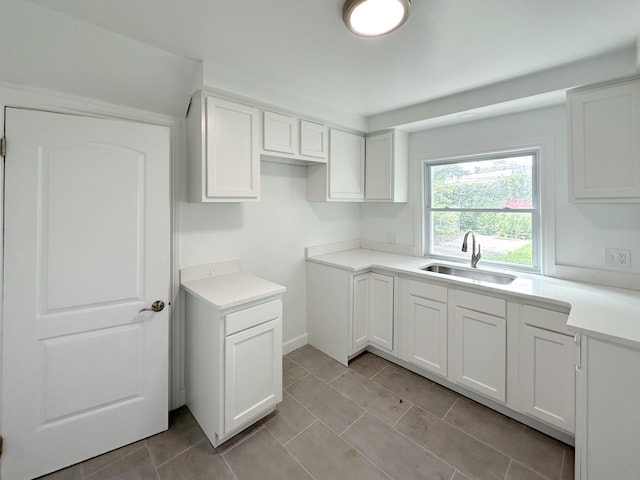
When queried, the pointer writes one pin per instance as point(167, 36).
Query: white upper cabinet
point(604, 143)
point(223, 151)
point(346, 166)
point(289, 137)
point(342, 179)
point(386, 167)
point(314, 140)
point(280, 133)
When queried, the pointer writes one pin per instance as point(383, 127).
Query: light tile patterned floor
point(370, 421)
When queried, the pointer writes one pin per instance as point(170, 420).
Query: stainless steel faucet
point(475, 257)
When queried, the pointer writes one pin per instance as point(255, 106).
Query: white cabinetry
point(386, 166)
point(424, 325)
point(479, 344)
point(359, 323)
point(607, 433)
point(346, 312)
point(548, 355)
point(233, 356)
point(604, 142)
point(380, 314)
point(342, 179)
point(290, 137)
point(223, 151)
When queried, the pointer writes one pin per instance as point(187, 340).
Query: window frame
point(535, 211)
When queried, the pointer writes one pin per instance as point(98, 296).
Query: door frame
point(36, 99)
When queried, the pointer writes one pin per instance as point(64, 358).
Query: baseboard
point(295, 343)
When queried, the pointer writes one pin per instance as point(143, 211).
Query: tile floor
point(370, 421)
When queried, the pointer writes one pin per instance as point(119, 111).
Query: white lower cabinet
point(380, 315)
point(359, 322)
point(607, 432)
point(372, 311)
point(547, 359)
point(424, 325)
point(480, 352)
point(346, 312)
point(233, 364)
point(252, 379)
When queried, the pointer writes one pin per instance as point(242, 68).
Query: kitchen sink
point(479, 275)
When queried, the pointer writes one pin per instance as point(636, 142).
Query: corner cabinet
point(386, 167)
point(604, 142)
point(347, 313)
point(223, 154)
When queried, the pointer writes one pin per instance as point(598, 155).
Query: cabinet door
point(605, 143)
point(381, 310)
point(608, 441)
point(379, 167)
point(346, 165)
point(314, 140)
point(280, 133)
point(426, 333)
point(232, 156)
point(480, 352)
point(359, 324)
point(547, 376)
point(253, 372)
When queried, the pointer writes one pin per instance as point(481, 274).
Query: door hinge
point(3, 146)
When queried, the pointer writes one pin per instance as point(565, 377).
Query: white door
point(87, 245)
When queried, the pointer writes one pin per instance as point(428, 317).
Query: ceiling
point(302, 46)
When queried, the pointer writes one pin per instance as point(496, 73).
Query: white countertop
point(231, 289)
point(602, 312)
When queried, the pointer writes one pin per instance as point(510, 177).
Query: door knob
point(156, 307)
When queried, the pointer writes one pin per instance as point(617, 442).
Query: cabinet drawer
point(482, 303)
point(547, 319)
point(249, 317)
point(426, 290)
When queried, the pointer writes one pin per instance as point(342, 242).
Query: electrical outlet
point(391, 237)
point(617, 257)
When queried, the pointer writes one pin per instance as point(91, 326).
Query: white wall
point(270, 236)
point(578, 235)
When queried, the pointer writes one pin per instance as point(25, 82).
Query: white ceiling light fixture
point(374, 18)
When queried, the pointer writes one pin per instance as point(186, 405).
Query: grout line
point(411, 405)
point(506, 474)
point(240, 442)
point(291, 454)
point(224, 460)
point(351, 424)
point(296, 381)
point(564, 460)
point(450, 408)
point(297, 434)
point(144, 445)
point(425, 448)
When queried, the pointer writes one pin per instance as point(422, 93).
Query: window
point(495, 196)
